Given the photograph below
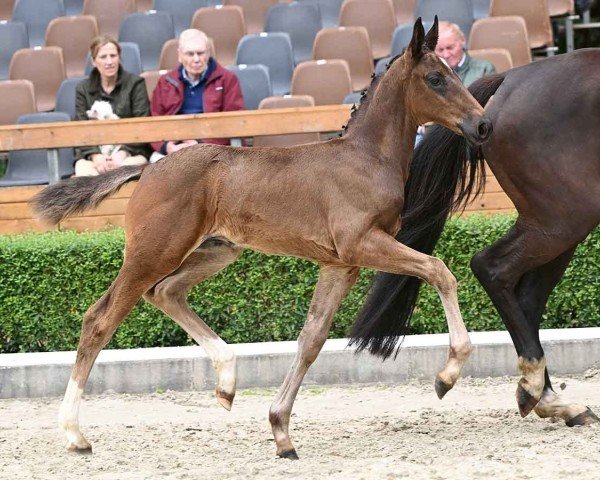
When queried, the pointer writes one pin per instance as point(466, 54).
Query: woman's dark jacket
point(128, 99)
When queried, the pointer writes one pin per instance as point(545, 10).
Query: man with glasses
point(198, 85)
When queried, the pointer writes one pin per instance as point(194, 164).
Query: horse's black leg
point(533, 291)
point(500, 268)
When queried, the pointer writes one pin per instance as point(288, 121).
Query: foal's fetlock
point(446, 378)
point(225, 391)
point(531, 385)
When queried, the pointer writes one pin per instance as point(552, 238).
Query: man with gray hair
point(198, 85)
point(451, 47)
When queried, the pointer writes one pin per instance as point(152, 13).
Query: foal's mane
point(366, 96)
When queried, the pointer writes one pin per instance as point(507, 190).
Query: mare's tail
point(74, 195)
point(445, 172)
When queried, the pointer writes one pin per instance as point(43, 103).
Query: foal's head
point(436, 94)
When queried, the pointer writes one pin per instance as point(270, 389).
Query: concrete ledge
point(568, 351)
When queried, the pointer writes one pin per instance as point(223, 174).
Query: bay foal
point(337, 203)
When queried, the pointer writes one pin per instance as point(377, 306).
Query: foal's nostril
point(484, 129)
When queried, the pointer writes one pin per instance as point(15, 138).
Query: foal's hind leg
point(332, 287)
point(533, 291)
point(170, 295)
point(382, 252)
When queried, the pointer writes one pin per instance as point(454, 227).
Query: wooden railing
point(16, 215)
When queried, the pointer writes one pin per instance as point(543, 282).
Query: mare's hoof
point(290, 454)
point(586, 418)
point(525, 401)
point(225, 399)
point(441, 387)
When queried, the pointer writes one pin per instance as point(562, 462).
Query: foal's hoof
point(225, 399)
point(525, 401)
point(290, 454)
point(441, 387)
point(585, 418)
point(84, 449)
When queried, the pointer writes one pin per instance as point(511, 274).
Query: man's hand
point(117, 159)
point(174, 147)
point(101, 162)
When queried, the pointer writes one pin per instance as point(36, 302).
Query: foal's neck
point(386, 128)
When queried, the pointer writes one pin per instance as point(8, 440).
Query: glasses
point(192, 54)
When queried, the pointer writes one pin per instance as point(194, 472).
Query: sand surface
point(342, 432)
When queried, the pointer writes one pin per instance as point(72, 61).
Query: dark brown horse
point(545, 152)
point(337, 203)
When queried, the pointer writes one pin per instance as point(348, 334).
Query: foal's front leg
point(381, 251)
point(332, 287)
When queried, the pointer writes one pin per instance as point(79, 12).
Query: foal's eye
point(434, 80)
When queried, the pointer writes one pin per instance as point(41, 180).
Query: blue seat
point(481, 9)
point(455, 11)
point(255, 83)
point(354, 97)
point(402, 36)
point(150, 30)
point(274, 50)
point(65, 97)
point(30, 167)
point(182, 11)
point(73, 7)
point(330, 11)
point(301, 20)
point(36, 15)
point(13, 37)
point(130, 59)
point(381, 65)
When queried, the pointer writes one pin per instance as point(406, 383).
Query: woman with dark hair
point(126, 94)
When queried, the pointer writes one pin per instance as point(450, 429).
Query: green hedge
point(47, 281)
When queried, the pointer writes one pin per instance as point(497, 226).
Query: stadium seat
point(150, 30)
point(73, 7)
point(289, 101)
point(377, 16)
point(330, 11)
point(405, 11)
point(499, 57)
point(143, 5)
point(351, 44)
point(65, 97)
point(182, 11)
point(6, 9)
point(353, 98)
point(559, 8)
point(402, 36)
point(169, 57)
point(502, 32)
point(255, 83)
point(30, 167)
point(45, 67)
point(18, 98)
point(327, 81)
point(537, 18)
point(13, 37)
point(36, 15)
point(255, 12)
point(301, 20)
point(274, 50)
point(74, 35)
point(381, 65)
point(225, 25)
point(151, 78)
point(481, 9)
point(130, 59)
point(109, 13)
point(455, 11)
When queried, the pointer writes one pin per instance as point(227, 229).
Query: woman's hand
point(101, 162)
point(117, 159)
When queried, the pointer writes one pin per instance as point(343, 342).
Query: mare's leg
point(170, 295)
point(332, 287)
point(499, 268)
point(381, 251)
point(533, 291)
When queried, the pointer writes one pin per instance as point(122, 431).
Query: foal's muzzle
point(476, 129)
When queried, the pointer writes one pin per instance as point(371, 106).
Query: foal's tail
point(445, 172)
point(76, 194)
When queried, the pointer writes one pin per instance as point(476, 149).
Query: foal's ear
point(431, 38)
point(415, 47)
